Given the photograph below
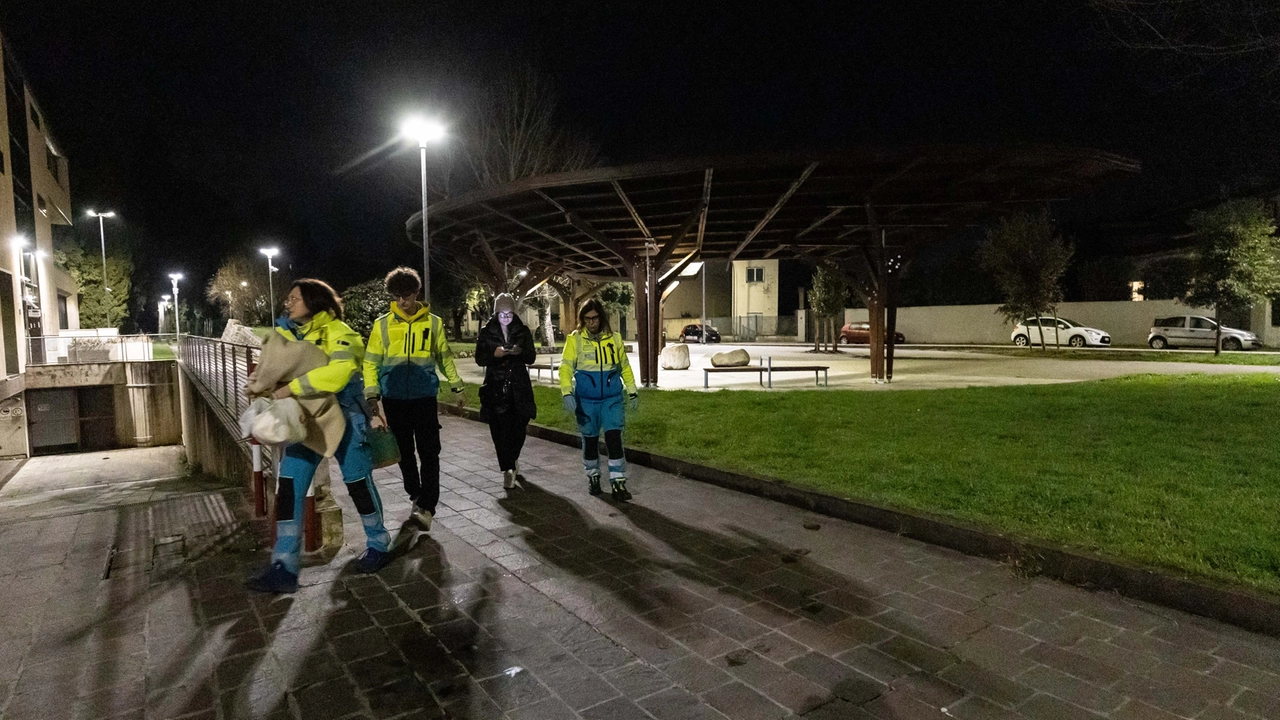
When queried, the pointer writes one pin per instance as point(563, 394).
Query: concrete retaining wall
point(1128, 323)
point(208, 443)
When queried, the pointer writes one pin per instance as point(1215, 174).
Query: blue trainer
point(275, 579)
point(372, 561)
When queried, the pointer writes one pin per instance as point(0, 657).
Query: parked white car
point(1064, 332)
point(1198, 331)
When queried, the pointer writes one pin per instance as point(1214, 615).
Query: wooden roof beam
point(644, 230)
point(581, 225)
point(774, 210)
point(532, 229)
point(679, 235)
point(533, 281)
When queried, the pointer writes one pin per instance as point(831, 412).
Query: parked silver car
point(1060, 331)
point(1198, 331)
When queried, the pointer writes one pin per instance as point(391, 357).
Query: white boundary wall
point(1128, 323)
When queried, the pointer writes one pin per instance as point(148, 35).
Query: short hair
point(403, 281)
point(318, 296)
point(588, 306)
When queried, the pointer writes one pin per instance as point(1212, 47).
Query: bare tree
point(1240, 37)
point(513, 129)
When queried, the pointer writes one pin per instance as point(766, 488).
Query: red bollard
point(311, 539)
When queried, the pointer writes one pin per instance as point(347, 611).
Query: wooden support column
point(655, 321)
point(638, 281)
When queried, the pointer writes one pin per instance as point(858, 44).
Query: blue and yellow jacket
point(346, 354)
point(595, 369)
point(403, 355)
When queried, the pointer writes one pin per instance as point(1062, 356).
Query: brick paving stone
point(1066, 687)
point(838, 709)
point(1048, 706)
point(695, 674)
point(986, 684)
point(678, 704)
point(638, 680)
point(742, 703)
point(901, 705)
point(976, 708)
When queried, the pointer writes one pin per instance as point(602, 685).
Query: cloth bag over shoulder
point(283, 360)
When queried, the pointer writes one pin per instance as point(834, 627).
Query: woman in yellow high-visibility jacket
point(594, 374)
point(314, 315)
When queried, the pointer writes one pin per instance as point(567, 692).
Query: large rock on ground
point(675, 357)
point(733, 358)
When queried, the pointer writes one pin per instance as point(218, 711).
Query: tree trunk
point(1040, 327)
point(1217, 332)
point(876, 341)
point(1057, 341)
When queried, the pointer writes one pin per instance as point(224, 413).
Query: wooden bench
point(551, 366)
point(766, 369)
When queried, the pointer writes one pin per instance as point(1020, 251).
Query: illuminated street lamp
point(102, 236)
point(271, 285)
point(177, 317)
point(424, 131)
point(164, 302)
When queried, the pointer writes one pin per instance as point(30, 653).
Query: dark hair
point(318, 297)
point(588, 306)
point(403, 281)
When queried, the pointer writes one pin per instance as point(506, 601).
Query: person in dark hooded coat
point(505, 350)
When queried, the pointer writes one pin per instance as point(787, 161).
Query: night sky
point(215, 126)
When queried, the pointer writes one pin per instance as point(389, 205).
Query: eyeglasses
point(505, 314)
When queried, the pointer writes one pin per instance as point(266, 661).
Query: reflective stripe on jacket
point(595, 369)
point(404, 354)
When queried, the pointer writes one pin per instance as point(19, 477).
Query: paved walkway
point(914, 368)
point(691, 602)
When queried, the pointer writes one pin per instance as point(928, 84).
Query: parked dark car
point(860, 334)
point(693, 333)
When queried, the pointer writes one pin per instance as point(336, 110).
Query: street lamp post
point(177, 316)
point(424, 131)
point(164, 303)
point(271, 285)
point(102, 236)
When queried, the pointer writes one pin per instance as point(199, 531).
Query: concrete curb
point(1243, 608)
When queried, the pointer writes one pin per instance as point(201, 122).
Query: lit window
point(1135, 290)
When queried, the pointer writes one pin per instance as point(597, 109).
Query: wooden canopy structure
point(863, 212)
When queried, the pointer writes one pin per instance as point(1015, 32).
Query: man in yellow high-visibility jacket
point(594, 373)
point(406, 349)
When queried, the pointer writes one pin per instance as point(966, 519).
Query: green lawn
point(1178, 472)
point(1207, 356)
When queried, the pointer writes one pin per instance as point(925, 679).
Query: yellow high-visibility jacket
point(595, 369)
point(404, 353)
point(343, 346)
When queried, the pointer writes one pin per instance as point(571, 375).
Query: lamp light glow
point(422, 130)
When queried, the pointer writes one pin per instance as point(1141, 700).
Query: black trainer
point(593, 484)
point(619, 487)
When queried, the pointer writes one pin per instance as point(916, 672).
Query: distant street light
point(102, 235)
point(164, 302)
point(424, 131)
point(177, 317)
point(271, 285)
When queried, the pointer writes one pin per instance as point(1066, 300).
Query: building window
point(51, 161)
point(35, 117)
point(41, 206)
point(2, 170)
point(755, 275)
point(64, 320)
